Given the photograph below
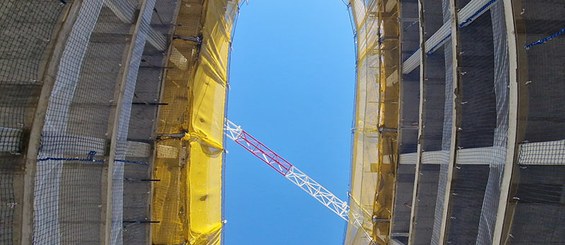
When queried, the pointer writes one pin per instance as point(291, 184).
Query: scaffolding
point(478, 80)
point(112, 114)
point(480, 154)
point(81, 86)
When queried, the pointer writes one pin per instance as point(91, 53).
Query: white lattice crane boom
point(292, 173)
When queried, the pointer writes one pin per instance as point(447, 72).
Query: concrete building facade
point(461, 101)
point(459, 131)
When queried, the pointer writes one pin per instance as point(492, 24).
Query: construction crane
point(293, 174)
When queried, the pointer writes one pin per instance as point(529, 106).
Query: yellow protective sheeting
point(205, 196)
point(207, 112)
point(167, 195)
point(388, 120)
point(365, 138)
point(187, 201)
point(209, 86)
point(376, 120)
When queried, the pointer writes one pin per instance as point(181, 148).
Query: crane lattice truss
point(292, 173)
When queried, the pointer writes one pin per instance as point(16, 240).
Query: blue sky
point(292, 87)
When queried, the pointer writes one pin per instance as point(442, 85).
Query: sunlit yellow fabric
point(188, 198)
point(208, 94)
point(205, 196)
point(209, 84)
point(167, 208)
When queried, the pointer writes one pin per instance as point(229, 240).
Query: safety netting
point(79, 183)
point(536, 203)
point(69, 70)
point(465, 120)
point(26, 33)
point(464, 132)
point(409, 120)
point(483, 102)
point(435, 144)
point(375, 136)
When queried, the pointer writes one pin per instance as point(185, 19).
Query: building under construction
point(112, 117)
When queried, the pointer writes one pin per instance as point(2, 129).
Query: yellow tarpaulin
point(187, 200)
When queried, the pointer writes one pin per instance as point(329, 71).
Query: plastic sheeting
point(376, 120)
point(188, 199)
point(363, 181)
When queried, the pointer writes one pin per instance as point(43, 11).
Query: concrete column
point(414, 211)
point(455, 122)
point(505, 209)
point(61, 34)
point(113, 128)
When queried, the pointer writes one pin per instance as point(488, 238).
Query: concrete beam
point(395, 242)
point(503, 215)
point(467, 14)
point(418, 154)
point(73, 147)
point(470, 156)
point(125, 11)
point(61, 34)
point(128, 72)
point(455, 122)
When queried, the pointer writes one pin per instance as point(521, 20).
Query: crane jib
point(263, 152)
point(293, 174)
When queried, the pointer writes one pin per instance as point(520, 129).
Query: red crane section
point(263, 152)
